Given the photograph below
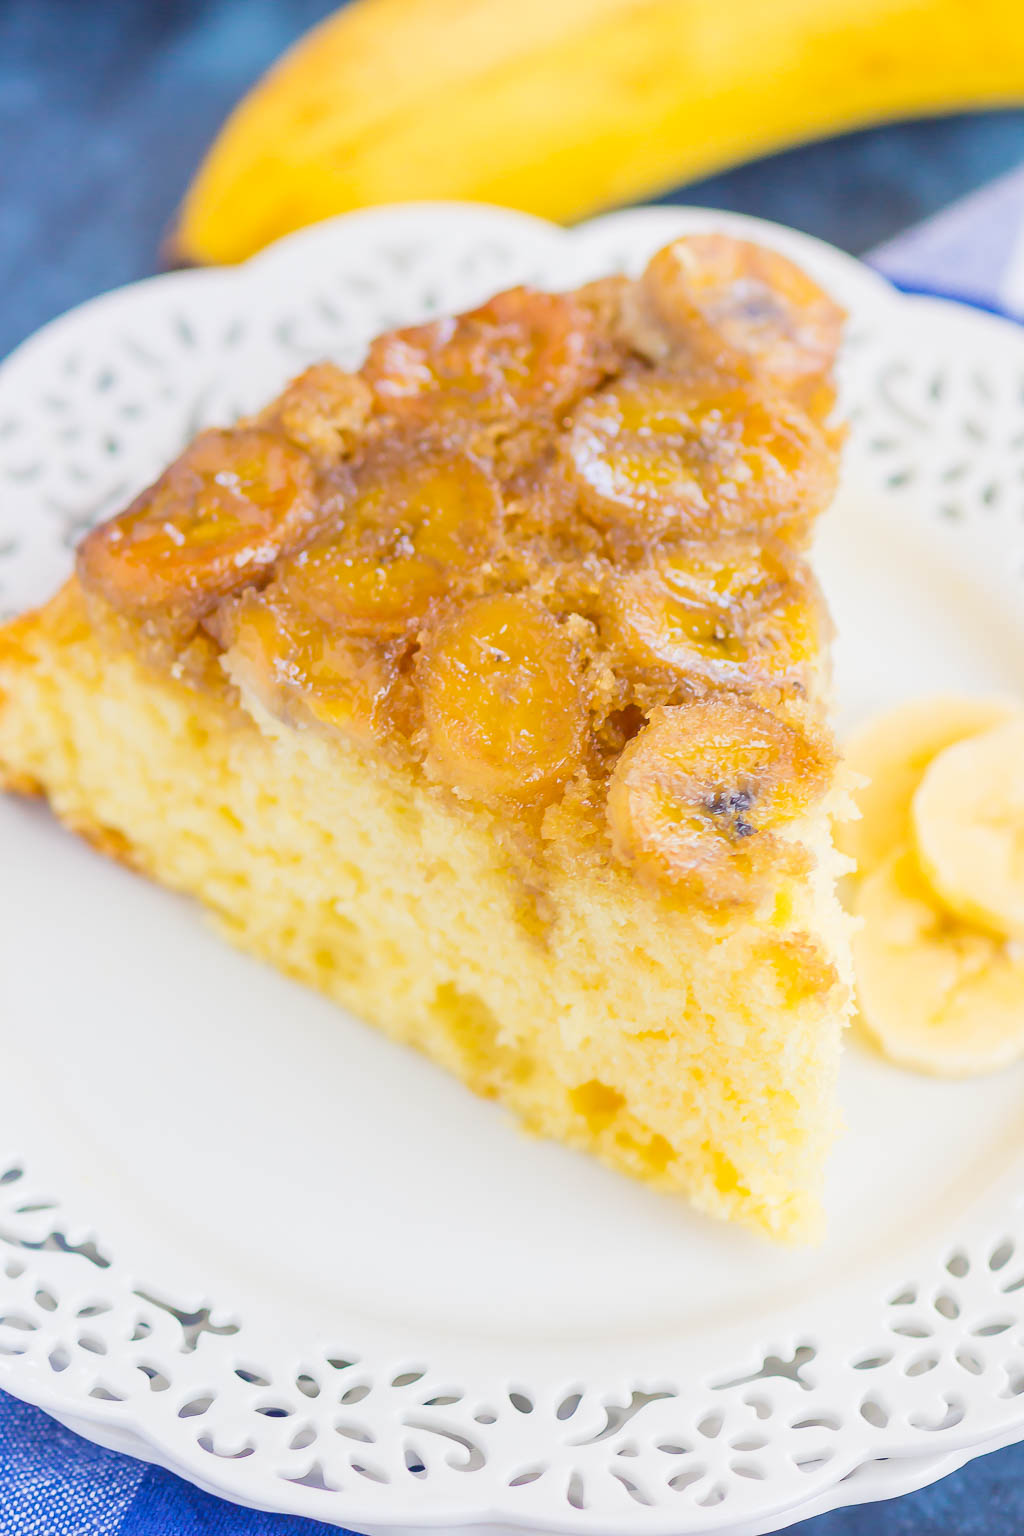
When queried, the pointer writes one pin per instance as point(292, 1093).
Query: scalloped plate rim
point(263, 264)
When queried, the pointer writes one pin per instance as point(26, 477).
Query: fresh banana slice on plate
point(968, 816)
point(937, 995)
point(892, 752)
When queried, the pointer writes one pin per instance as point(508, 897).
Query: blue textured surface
point(54, 1484)
point(104, 111)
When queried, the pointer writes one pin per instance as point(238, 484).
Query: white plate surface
point(254, 1186)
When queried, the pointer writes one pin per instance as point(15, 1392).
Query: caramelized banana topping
point(412, 525)
point(324, 410)
point(304, 673)
point(663, 456)
point(502, 699)
point(546, 554)
point(699, 798)
point(721, 610)
point(523, 351)
point(741, 308)
point(214, 522)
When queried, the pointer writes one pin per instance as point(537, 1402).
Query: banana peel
point(564, 107)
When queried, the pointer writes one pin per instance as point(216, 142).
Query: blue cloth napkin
point(54, 1484)
point(973, 251)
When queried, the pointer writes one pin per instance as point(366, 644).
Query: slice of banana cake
point(485, 690)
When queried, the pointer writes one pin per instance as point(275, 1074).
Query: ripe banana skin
point(563, 107)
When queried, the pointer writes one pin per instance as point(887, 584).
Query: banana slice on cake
point(968, 817)
point(892, 752)
point(938, 995)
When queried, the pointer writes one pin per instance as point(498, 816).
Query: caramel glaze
point(551, 552)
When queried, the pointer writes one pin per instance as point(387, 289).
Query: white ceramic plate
point(246, 1237)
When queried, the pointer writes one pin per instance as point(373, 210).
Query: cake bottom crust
point(694, 1051)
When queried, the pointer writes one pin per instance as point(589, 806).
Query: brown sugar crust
point(548, 553)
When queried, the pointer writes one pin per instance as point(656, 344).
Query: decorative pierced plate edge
point(600, 236)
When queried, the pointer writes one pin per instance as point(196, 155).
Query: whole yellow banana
point(561, 107)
